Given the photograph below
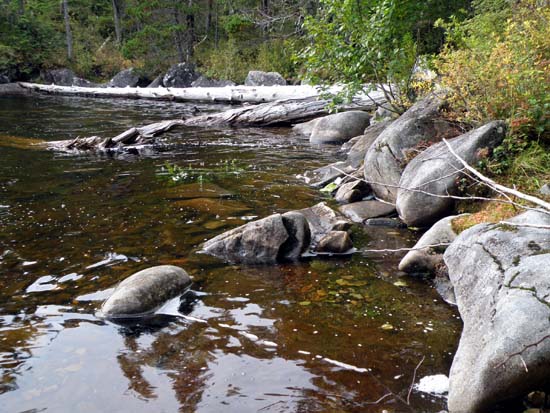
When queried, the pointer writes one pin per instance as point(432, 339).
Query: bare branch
point(414, 379)
point(520, 353)
point(489, 182)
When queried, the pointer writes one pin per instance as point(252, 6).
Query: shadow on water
point(323, 335)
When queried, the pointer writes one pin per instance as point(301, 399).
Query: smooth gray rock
point(258, 78)
point(363, 210)
point(157, 82)
point(545, 189)
point(353, 191)
point(299, 236)
point(386, 157)
point(145, 291)
point(320, 177)
point(335, 242)
point(4, 79)
point(426, 260)
point(305, 128)
point(257, 242)
point(435, 172)
point(356, 148)
point(339, 127)
point(322, 219)
point(126, 78)
point(203, 81)
point(180, 75)
point(500, 278)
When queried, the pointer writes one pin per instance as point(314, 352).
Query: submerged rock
point(258, 78)
point(337, 242)
point(180, 75)
point(435, 171)
point(500, 278)
point(385, 159)
point(145, 291)
point(339, 127)
point(267, 240)
point(363, 210)
point(322, 176)
point(424, 259)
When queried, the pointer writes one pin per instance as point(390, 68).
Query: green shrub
point(501, 69)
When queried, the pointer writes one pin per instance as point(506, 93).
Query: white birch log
point(227, 94)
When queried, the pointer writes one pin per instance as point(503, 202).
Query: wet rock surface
point(436, 171)
point(360, 211)
point(500, 278)
point(145, 291)
point(337, 242)
point(353, 191)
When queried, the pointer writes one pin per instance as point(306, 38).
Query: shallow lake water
point(322, 335)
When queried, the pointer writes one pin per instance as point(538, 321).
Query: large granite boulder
point(305, 128)
point(268, 240)
point(427, 254)
point(339, 127)
point(357, 147)
point(435, 171)
point(61, 77)
point(127, 78)
point(258, 78)
point(500, 278)
point(420, 125)
point(180, 75)
point(157, 82)
point(203, 81)
point(145, 291)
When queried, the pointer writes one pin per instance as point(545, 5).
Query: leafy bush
point(501, 69)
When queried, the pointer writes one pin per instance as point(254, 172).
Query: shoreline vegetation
point(444, 117)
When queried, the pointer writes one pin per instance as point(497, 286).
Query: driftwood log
point(282, 112)
point(228, 94)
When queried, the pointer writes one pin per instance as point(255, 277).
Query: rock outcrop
point(500, 278)
point(339, 127)
point(145, 291)
point(258, 78)
point(420, 125)
point(435, 171)
point(64, 77)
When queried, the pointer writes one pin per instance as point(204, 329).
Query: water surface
point(324, 335)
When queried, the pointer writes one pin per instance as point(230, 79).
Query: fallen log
point(227, 94)
point(282, 112)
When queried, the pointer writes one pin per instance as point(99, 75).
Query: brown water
point(250, 339)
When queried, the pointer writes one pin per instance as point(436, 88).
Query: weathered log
point(230, 94)
point(283, 112)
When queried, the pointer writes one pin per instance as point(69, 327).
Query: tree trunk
point(177, 33)
point(116, 16)
point(68, 33)
point(208, 24)
point(190, 33)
